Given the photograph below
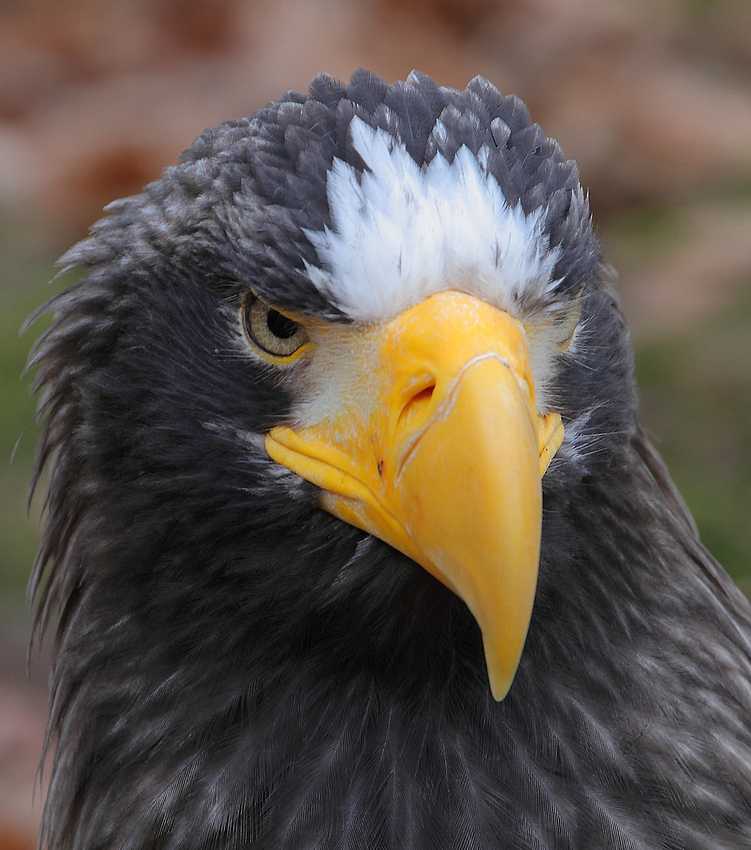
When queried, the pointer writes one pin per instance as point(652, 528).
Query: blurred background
point(652, 97)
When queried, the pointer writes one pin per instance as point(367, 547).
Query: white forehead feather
point(402, 232)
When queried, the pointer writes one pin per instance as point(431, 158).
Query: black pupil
point(280, 325)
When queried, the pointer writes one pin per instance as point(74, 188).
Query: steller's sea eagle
point(355, 539)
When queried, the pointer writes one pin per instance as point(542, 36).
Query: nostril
point(423, 396)
point(414, 408)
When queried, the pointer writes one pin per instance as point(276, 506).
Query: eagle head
point(347, 494)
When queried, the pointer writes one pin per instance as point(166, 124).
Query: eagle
point(352, 536)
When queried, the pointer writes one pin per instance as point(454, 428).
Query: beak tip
point(500, 681)
point(499, 689)
point(501, 667)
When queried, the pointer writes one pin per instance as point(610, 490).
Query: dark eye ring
point(270, 330)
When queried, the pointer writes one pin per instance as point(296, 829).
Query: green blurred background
point(652, 97)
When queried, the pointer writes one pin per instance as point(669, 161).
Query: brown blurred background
point(652, 97)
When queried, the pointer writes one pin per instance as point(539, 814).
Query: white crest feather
point(402, 232)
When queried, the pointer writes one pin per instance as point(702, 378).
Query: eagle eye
point(271, 331)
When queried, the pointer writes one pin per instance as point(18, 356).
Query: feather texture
point(234, 668)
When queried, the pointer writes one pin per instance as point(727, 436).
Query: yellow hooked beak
point(442, 458)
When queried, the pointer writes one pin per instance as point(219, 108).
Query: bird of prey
point(354, 536)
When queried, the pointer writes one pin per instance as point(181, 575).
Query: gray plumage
point(234, 668)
